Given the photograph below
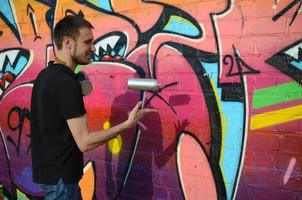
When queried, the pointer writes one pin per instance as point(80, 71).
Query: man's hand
point(137, 113)
point(88, 141)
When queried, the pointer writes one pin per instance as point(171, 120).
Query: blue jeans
point(60, 191)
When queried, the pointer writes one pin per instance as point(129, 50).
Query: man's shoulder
point(56, 71)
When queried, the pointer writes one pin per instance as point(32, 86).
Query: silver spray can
point(143, 84)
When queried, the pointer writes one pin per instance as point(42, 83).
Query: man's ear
point(67, 42)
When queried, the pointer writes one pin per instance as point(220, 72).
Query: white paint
point(244, 137)
point(111, 41)
point(136, 50)
point(132, 157)
point(128, 40)
point(11, 54)
point(180, 173)
point(14, 88)
point(289, 170)
point(122, 65)
point(6, 83)
point(182, 40)
point(5, 145)
point(294, 51)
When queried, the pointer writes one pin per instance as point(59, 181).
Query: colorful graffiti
point(231, 91)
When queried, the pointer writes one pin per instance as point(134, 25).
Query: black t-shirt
point(56, 97)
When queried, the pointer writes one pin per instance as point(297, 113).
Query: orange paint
point(87, 183)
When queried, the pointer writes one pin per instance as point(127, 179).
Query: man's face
point(83, 47)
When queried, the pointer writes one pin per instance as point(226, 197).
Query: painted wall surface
point(229, 112)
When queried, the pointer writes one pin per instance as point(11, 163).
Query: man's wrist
point(126, 124)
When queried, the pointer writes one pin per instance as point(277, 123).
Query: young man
point(59, 133)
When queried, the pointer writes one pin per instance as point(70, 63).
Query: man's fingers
point(138, 105)
point(145, 111)
point(148, 110)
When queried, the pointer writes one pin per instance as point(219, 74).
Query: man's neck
point(65, 60)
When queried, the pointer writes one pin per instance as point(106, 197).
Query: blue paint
point(16, 70)
point(181, 26)
point(24, 180)
point(103, 4)
point(7, 12)
point(95, 57)
point(233, 135)
point(297, 64)
point(122, 51)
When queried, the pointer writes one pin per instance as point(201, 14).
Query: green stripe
point(277, 94)
point(78, 68)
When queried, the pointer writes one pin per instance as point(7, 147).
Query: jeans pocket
point(55, 191)
point(73, 191)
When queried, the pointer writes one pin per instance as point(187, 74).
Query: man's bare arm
point(87, 141)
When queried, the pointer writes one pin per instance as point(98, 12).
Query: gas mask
point(86, 85)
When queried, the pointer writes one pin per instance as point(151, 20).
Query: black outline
point(123, 39)
point(22, 115)
point(212, 105)
point(286, 9)
point(237, 86)
point(13, 29)
point(159, 96)
point(282, 62)
point(22, 52)
point(120, 187)
point(164, 18)
point(31, 13)
point(110, 13)
point(240, 65)
point(49, 3)
point(204, 151)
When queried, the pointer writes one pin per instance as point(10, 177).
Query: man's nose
point(93, 48)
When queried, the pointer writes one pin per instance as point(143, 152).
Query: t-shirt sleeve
point(70, 99)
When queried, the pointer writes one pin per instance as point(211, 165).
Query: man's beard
point(77, 59)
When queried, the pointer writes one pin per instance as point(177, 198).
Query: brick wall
point(229, 115)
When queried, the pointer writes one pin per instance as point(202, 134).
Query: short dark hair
point(69, 26)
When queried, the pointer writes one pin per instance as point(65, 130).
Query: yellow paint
point(115, 144)
point(87, 183)
point(179, 20)
point(106, 125)
point(93, 2)
point(224, 122)
point(21, 195)
point(276, 117)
